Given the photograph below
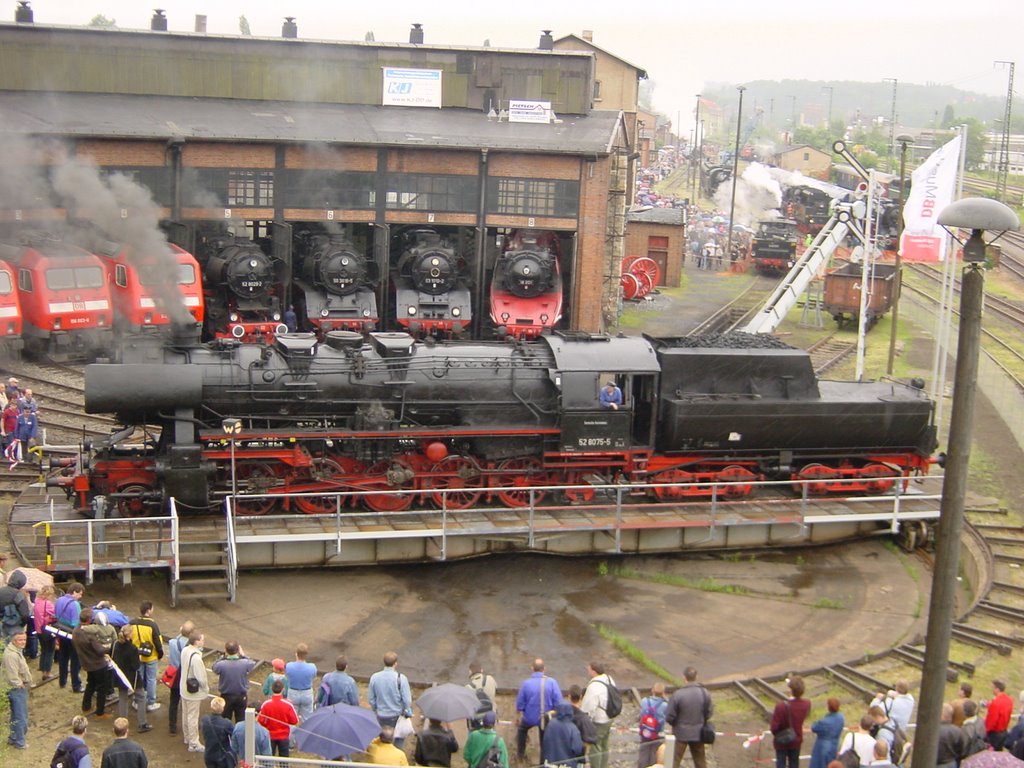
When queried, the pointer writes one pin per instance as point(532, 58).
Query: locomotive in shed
point(526, 287)
point(335, 283)
point(243, 289)
point(462, 423)
point(432, 296)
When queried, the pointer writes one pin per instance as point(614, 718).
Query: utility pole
point(1004, 144)
point(828, 124)
point(735, 169)
point(695, 158)
point(892, 124)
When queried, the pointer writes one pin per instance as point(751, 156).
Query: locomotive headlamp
point(324, 312)
point(276, 317)
point(280, 329)
point(412, 310)
point(456, 312)
point(233, 317)
point(56, 323)
point(366, 313)
point(253, 263)
point(504, 317)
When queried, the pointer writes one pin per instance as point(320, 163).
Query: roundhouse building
point(264, 137)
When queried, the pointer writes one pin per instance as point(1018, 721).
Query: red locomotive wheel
point(628, 262)
point(815, 472)
point(666, 492)
point(133, 506)
point(630, 285)
point(581, 494)
point(882, 477)
point(461, 478)
point(743, 479)
point(646, 285)
point(255, 477)
point(516, 478)
point(326, 469)
point(646, 266)
point(387, 502)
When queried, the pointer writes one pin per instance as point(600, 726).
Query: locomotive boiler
point(526, 288)
point(335, 284)
point(460, 424)
point(432, 297)
point(243, 288)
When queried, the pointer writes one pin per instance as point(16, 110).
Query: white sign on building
point(412, 87)
point(521, 111)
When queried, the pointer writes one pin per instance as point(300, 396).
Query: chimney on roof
point(416, 34)
point(159, 22)
point(23, 13)
point(547, 42)
point(289, 28)
point(200, 24)
point(588, 35)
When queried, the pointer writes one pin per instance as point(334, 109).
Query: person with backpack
point(338, 687)
point(67, 611)
point(17, 679)
point(889, 731)
point(146, 634)
point(787, 725)
point(15, 608)
point(652, 725)
point(486, 689)
point(974, 730)
point(603, 702)
point(72, 751)
point(537, 697)
point(898, 704)
point(484, 747)
point(588, 733)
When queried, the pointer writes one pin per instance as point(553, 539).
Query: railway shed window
point(157, 179)
point(533, 197)
point(310, 188)
point(425, 192)
point(250, 188)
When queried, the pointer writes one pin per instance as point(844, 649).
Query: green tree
point(102, 22)
point(243, 25)
point(975, 151)
point(948, 115)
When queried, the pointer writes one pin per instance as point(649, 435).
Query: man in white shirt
point(898, 704)
point(595, 704)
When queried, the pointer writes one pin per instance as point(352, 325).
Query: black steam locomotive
point(334, 286)
point(432, 297)
point(774, 246)
point(469, 423)
point(242, 288)
point(526, 288)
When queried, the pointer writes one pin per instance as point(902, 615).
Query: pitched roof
point(641, 72)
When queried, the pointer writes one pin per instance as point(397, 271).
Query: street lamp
point(978, 215)
point(232, 428)
point(904, 140)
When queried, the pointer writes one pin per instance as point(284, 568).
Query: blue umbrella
point(340, 729)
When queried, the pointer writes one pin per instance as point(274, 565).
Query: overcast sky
point(681, 44)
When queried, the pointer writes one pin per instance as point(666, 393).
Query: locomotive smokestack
point(159, 22)
point(289, 29)
point(547, 42)
point(416, 34)
point(200, 24)
point(23, 13)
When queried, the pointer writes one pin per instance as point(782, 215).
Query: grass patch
point(708, 584)
point(829, 604)
point(636, 655)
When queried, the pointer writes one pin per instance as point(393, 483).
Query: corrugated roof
point(673, 216)
point(163, 117)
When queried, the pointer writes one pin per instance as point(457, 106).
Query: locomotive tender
point(488, 422)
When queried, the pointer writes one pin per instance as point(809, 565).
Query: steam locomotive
point(334, 284)
point(774, 246)
point(243, 288)
point(432, 297)
point(464, 423)
point(526, 288)
point(808, 206)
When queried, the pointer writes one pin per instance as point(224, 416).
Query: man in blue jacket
point(538, 696)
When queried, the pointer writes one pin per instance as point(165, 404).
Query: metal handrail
point(232, 549)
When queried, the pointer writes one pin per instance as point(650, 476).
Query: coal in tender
point(735, 340)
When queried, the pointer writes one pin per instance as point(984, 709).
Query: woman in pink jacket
point(44, 615)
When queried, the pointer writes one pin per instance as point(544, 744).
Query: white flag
point(933, 185)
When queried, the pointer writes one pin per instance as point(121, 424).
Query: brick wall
point(152, 153)
point(637, 243)
point(433, 161)
point(331, 158)
point(216, 155)
point(530, 166)
point(591, 268)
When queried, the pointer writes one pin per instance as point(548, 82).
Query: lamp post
point(829, 88)
point(696, 157)
point(232, 428)
point(897, 284)
point(978, 215)
point(735, 169)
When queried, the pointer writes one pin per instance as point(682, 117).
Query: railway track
point(738, 312)
point(827, 353)
point(60, 391)
point(1012, 258)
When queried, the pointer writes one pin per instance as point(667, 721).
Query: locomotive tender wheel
point(815, 472)
point(322, 470)
point(522, 474)
point(387, 502)
point(666, 493)
point(743, 479)
point(883, 478)
point(255, 477)
point(462, 478)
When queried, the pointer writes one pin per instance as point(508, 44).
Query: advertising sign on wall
point(412, 87)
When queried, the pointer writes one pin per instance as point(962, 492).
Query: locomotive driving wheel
point(255, 477)
point(132, 504)
point(740, 479)
point(516, 478)
point(394, 475)
point(461, 478)
point(325, 469)
point(674, 476)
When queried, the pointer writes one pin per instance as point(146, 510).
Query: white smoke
point(758, 195)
